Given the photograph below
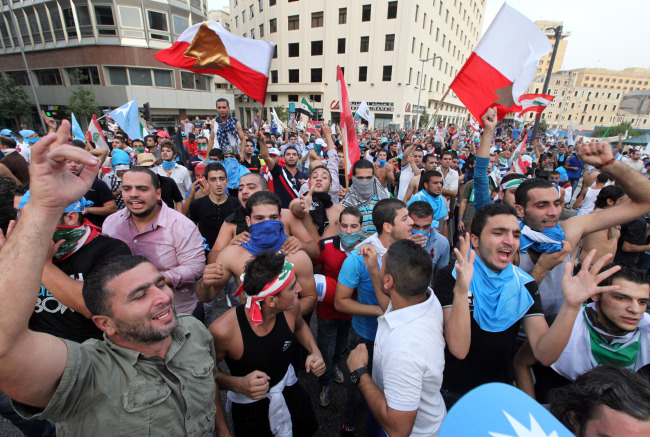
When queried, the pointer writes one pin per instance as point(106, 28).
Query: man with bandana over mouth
point(263, 392)
point(263, 211)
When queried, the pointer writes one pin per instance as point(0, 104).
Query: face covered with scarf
point(266, 229)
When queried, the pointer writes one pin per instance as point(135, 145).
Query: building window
point(363, 74)
point(365, 13)
point(163, 78)
point(83, 76)
point(273, 25)
point(261, 30)
point(236, 21)
point(274, 97)
point(293, 97)
point(272, 2)
point(252, 33)
point(392, 10)
point(274, 76)
point(261, 5)
point(118, 76)
point(275, 52)
point(315, 98)
point(294, 76)
point(194, 81)
point(48, 77)
point(343, 15)
point(140, 76)
point(341, 46)
point(365, 43)
point(410, 75)
point(417, 12)
point(316, 75)
point(180, 24)
point(413, 45)
point(158, 22)
point(19, 77)
point(252, 13)
point(316, 48)
point(317, 19)
point(294, 50)
point(33, 27)
point(390, 43)
point(294, 22)
point(387, 73)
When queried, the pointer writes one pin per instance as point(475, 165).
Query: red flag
point(502, 65)
point(350, 142)
point(96, 134)
point(208, 48)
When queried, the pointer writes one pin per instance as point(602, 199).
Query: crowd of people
point(442, 260)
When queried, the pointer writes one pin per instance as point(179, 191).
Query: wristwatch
point(355, 376)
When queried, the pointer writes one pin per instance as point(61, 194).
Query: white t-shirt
point(449, 183)
point(404, 179)
point(180, 175)
point(408, 362)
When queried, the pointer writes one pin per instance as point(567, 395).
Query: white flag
point(277, 121)
point(364, 112)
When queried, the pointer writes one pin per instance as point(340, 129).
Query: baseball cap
point(162, 134)
point(146, 159)
point(26, 133)
point(6, 132)
point(274, 151)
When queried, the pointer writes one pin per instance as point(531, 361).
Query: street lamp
point(549, 72)
point(417, 118)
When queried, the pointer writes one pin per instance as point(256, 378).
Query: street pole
point(29, 74)
point(549, 72)
point(417, 117)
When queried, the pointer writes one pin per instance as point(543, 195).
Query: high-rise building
point(380, 45)
point(108, 46)
point(548, 27)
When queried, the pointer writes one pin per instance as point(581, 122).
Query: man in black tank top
point(255, 342)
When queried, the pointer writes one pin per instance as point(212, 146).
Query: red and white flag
point(519, 162)
point(474, 124)
point(96, 134)
point(502, 65)
point(208, 48)
point(350, 142)
point(534, 102)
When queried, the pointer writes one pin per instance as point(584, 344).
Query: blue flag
point(126, 117)
point(76, 129)
point(500, 410)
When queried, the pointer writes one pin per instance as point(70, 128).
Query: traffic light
point(146, 112)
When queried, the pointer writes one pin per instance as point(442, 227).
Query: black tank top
point(238, 218)
point(270, 354)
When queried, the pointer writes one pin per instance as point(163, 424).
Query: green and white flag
point(364, 112)
point(305, 108)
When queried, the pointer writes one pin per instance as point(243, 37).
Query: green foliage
point(543, 126)
point(424, 118)
point(14, 101)
point(283, 113)
point(82, 102)
point(618, 129)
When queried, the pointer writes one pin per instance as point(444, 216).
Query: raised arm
point(264, 150)
point(32, 363)
point(481, 184)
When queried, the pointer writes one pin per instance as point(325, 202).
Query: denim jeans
point(29, 427)
point(354, 400)
point(332, 341)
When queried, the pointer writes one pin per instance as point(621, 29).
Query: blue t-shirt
point(515, 134)
point(354, 274)
point(574, 161)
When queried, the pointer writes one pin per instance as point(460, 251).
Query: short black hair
point(428, 157)
point(619, 389)
point(262, 198)
point(628, 272)
point(385, 211)
point(613, 192)
point(447, 152)
point(146, 170)
point(483, 213)
point(8, 142)
point(95, 291)
point(382, 150)
point(223, 100)
point(215, 166)
point(291, 148)
point(260, 180)
point(78, 143)
point(521, 195)
point(410, 266)
point(362, 163)
point(602, 177)
point(217, 153)
point(260, 270)
point(321, 167)
point(351, 210)
point(420, 209)
point(427, 175)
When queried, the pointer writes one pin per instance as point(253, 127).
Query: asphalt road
point(329, 418)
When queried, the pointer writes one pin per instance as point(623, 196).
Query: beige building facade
point(548, 27)
point(378, 44)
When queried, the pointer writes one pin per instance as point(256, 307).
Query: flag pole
point(444, 96)
point(345, 162)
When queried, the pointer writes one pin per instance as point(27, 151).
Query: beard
point(142, 332)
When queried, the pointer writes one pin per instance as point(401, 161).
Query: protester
point(13, 161)
point(435, 245)
point(120, 163)
point(171, 169)
point(227, 128)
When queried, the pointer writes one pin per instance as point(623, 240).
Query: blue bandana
point(500, 299)
point(77, 206)
point(549, 240)
point(169, 165)
point(382, 162)
point(234, 171)
point(437, 203)
point(265, 236)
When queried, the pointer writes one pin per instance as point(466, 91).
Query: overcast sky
point(604, 33)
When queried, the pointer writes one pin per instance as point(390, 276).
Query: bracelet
point(460, 219)
point(603, 165)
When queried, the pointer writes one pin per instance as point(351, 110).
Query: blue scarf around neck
point(437, 203)
point(549, 240)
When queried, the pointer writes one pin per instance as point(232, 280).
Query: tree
point(424, 118)
point(82, 102)
point(613, 131)
point(543, 126)
point(13, 100)
point(283, 114)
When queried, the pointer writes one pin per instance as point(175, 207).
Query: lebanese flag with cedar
point(534, 102)
point(519, 164)
point(502, 65)
point(350, 142)
point(208, 48)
